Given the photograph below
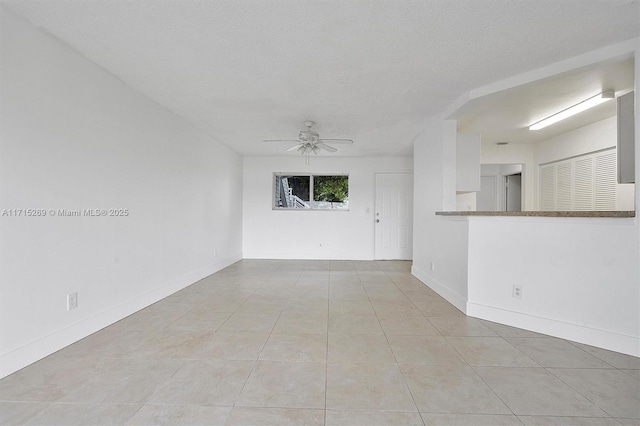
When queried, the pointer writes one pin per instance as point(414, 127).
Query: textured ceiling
point(367, 70)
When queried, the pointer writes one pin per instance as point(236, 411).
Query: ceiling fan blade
point(336, 140)
point(293, 148)
point(326, 147)
point(309, 142)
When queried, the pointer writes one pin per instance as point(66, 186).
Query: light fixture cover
point(577, 108)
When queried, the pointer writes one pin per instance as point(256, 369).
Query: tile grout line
point(326, 364)
point(549, 370)
point(404, 379)
point(255, 362)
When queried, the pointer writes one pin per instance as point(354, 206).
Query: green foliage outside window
point(333, 189)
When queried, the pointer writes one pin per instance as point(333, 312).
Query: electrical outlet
point(433, 266)
point(72, 301)
point(215, 254)
point(517, 291)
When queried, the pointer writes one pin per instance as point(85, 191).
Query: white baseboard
point(13, 361)
point(625, 344)
point(577, 333)
point(450, 296)
point(329, 255)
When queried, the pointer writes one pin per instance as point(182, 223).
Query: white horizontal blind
point(563, 186)
point(605, 181)
point(584, 183)
point(583, 196)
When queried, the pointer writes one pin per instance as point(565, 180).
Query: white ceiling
point(368, 70)
point(506, 116)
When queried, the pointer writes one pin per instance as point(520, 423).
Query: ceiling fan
point(309, 142)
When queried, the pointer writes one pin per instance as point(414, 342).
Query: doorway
point(500, 188)
point(393, 216)
point(513, 192)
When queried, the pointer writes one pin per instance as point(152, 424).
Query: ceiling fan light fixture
point(573, 110)
point(309, 142)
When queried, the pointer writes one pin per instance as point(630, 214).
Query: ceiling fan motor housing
point(309, 136)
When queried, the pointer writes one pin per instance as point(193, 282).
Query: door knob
point(377, 220)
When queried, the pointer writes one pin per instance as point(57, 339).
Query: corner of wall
point(447, 293)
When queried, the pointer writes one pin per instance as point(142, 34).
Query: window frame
point(311, 191)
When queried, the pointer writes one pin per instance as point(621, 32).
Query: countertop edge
point(610, 214)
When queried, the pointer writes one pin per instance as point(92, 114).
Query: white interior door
point(394, 216)
point(513, 193)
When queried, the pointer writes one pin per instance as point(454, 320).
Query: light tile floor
point(320, 343)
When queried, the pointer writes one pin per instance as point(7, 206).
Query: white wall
point(442, 241)
point(75, 137)
point(467, 162)
point(593, 137)
point(579, 277)
point(286, 234)
point(466, 201)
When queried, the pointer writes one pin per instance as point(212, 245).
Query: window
point(292, 192)
point(330, 192)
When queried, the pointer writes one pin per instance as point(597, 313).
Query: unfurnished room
point(317, 212)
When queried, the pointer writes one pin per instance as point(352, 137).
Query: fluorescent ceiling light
point(582, 106)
